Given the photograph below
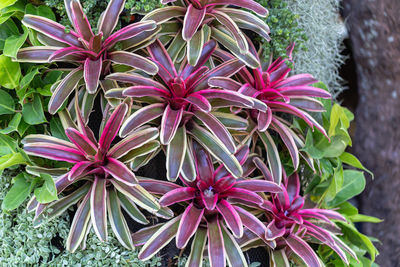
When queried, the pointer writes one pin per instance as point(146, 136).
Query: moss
point(320, 21)
point(285, 29)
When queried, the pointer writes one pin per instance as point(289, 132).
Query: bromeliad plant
point(205, 18)
point(104, 183)
point(92, 53)
point(282, 94)
point(212, 205)
point(182, 99)
point(293, 227)
point(186, 90)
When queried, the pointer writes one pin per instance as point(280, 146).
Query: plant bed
point(174, 134)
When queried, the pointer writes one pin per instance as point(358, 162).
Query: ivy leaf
point(13, 124)
point(10, 72)
point(353, 184)
point(32, 112)
point(14, 43)
point(47, 192)
point(19, 191)
point(6, 103)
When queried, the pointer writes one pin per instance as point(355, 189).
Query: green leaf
point(19, 191)
point(7, 145)
point(346, 208)
point(351, 160)
point(7, 28)
point(353, 184)
point(336, 183)
point(13, 124)
point(48, 191)
point(10, 72)
point(25, 82)
point(14, 43)
point(358, 239)
point(11, 160)
point(42, 10)
point(6, 3)
point(364, 218)
point(57, 129)
point(6, 103)
point(32, 112)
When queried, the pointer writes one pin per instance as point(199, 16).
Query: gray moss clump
point(325, 32)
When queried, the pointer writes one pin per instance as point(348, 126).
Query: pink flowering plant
point(248, 155)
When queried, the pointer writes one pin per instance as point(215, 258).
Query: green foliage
point(22, 245)
point(99, 253)
point(337, 179)
point(284, 27)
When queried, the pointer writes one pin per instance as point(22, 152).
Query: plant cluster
point(249, 162)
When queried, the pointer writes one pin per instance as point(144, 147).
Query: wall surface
point(374, 29)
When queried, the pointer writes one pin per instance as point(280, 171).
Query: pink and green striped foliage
point(183, 100)
point(92, 53)
point(282, 94)
point(213, 213)
point(201, 20)
point(99, 180)
point(293, 227)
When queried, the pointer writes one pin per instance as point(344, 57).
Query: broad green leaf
point(336, 183)
point(7, 145)
point(10, 72)
point(25, 82)
point(353, 184)
point(7, 28)
point(364, 218)
point(14, 43)
point(10, 160)
point(22, 127)
point(32, 112)
point(6, 103)
point(351, 160)
point(6, 3)
point(19, 191)
point(13, 124)
point(57, 129)
point(47, 192)
point(346, 208)
point(42, 10)
point(358, 239)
